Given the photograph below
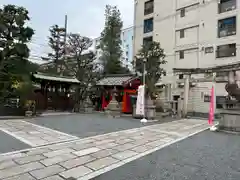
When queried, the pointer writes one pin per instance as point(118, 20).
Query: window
point(208, 50)
point(228, 50)
point(227, 27)
point(226, 5)
point(126, 53)
point(148, 7)
point(181, 54)
point(221, 74)
point(182, 12)
point(180, 76)
point(148, 25)
point(182, 33)
point(147, 40)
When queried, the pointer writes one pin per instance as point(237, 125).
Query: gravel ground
point(206, 156)
point(9, 143)
point(85, 125)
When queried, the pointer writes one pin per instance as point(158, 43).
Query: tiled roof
point(54, 78)
point(114, 81)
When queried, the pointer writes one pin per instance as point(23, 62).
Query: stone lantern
point(114, 108)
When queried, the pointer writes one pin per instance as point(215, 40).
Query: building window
point(147, 40)
point(208, 50)
point(182, 12)
point(148, 7)
point(228, 50)
point(180, 76)
point(226, 5)
point(148, 25)
point(181, 54)
point(227, 27)
point(182, 33)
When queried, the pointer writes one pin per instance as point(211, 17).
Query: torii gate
point(230, 68)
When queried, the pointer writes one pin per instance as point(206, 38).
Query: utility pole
point(65, 42)
point(65, 36)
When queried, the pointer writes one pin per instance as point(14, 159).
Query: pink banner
point(211, 109)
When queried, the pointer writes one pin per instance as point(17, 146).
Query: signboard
point(140, 100)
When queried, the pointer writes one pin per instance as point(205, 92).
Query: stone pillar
point(169, 92)
point(186, 94)
point(231, 77)
point(179, 110)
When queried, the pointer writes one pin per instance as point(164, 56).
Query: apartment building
point(127, 47)
point(193, 34)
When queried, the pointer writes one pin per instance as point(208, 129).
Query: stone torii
point(231, 87)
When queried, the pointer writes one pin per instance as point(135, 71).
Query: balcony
point(226, 5)
point(228, 50)
point(227, 27)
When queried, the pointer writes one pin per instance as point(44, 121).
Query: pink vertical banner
point(211, 109)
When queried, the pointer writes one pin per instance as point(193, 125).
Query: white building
point(127, 47)
point(193, 34)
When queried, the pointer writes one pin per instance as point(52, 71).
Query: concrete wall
point(200, 25)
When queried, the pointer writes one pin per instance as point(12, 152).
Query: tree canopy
point(14, 52)
point(81, 64)
point(111, 42)
point(57, 44)
point(153, 55)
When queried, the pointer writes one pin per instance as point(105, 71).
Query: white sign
point(140, 100)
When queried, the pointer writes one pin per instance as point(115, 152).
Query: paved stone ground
point(9, 143)
point(207, 155)
point(89, 157)
point(85, 125)
point(32, 134)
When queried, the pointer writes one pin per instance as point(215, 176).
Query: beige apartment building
point(193, 34)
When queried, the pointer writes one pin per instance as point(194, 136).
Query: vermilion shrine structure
point(126, 86)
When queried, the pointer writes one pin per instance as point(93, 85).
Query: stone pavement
point(32, 134)
point(89, 157)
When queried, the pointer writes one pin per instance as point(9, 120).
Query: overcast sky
point(84, 16)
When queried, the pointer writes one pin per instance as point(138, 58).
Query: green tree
point(14, 52)
point(81, 64)
point(111, 42)
point(153, 55)
point(57, 44)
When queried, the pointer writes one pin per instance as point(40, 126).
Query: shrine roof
point(116, 80)
point(55, 78)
